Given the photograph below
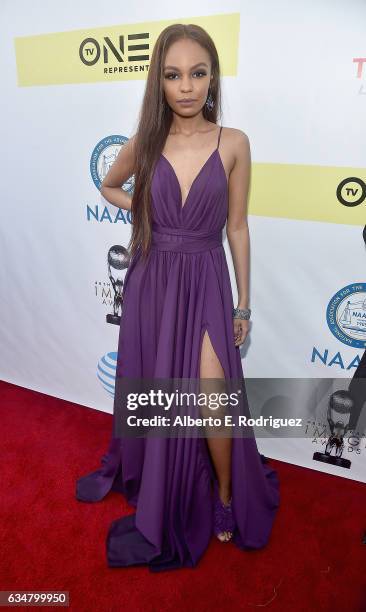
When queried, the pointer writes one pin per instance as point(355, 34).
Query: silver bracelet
point(241, 313)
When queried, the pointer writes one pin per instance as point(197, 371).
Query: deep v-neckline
point(181, 203)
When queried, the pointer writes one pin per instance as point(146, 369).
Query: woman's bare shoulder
point(237, 147)
point(235, 136)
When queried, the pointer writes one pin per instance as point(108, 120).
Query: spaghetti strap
point(218, 142)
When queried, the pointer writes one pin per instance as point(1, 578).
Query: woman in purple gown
point(178, 319)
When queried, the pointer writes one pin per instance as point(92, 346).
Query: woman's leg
point(219, 447)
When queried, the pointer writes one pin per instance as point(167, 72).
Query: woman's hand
point(241, 328)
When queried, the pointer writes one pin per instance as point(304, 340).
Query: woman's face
point(186, 76)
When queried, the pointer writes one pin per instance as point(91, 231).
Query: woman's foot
point(223, 516)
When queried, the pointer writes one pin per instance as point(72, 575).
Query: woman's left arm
point(237, 227)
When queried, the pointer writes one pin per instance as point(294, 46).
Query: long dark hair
point(154, 123)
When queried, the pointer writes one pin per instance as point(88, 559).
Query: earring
point(209, 101)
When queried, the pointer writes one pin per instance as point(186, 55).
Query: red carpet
point(49, 540)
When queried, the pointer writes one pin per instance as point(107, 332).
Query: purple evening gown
point(168, 303)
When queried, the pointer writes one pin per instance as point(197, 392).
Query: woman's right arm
point(117, 175)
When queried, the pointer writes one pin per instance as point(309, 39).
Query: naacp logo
point(102, 158)
point(346, 315)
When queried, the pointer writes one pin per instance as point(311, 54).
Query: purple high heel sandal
point(223, 516)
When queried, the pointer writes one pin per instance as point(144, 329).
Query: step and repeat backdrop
point(293, 79)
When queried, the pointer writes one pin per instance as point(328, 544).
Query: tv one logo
point(133, 48)
point(351, 191)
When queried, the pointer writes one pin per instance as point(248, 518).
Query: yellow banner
point(310, 193)
point(112, 53)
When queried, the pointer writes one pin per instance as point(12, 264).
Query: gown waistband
point(193, 241)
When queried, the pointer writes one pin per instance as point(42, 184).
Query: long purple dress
point(168, 303)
